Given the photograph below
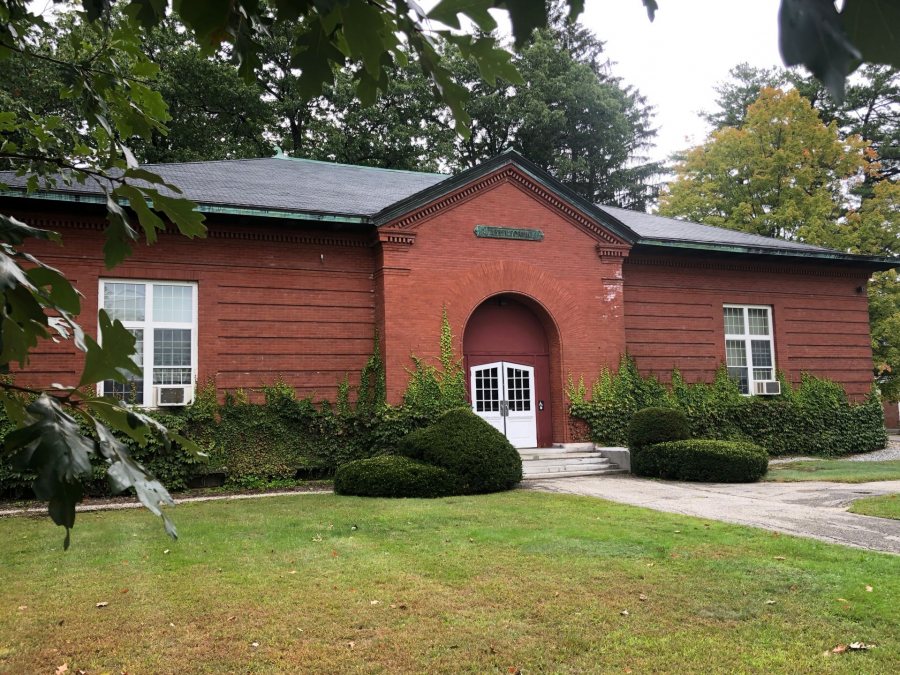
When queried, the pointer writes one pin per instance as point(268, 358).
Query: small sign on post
point(493, 232)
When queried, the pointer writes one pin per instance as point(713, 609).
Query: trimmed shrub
point(708, 461)
point(470, 448)
point(654, 425)
point(813, 417)
point(393, 476)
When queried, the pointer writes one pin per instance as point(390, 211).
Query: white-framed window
point(162, 316)
point(749, 346)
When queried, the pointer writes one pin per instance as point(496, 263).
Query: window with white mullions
point(749, 350)
point(163, 318)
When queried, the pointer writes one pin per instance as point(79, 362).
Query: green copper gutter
point(876, 261)
point(203, 208)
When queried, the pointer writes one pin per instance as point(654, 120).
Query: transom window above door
point(749, 345)
point(162, 316)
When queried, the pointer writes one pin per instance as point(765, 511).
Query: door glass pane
point(518, 389)
point(487, 390)
point(124, 302)
point(173, 303)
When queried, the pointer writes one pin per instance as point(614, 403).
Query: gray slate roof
point(280, 183)
point(301, 186)
point(671, 229)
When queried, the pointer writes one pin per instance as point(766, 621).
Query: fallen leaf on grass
point(166, 552)
point(624, 612)
point(642, 597)
point(293, 572)
point(842, 600)
point(868, 589)
point(374, 602)
point(351, 644)
point(254, 644)
point(124, 590)
point(513, 670)
point(780, 557)
point(334, 554)
point(840, 649)
point(101, 605)
point(861, 645)
point(770, 602)
point(64, 668)
point(22, 608)
point(318, 537)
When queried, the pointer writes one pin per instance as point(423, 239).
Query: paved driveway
point(808, 509)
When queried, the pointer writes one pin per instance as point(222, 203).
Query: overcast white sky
point(677, 60)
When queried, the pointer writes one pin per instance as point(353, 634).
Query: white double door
point(503, 395)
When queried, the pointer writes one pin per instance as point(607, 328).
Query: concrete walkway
point(808, 509)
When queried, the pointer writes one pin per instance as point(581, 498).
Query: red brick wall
point(274, 301)
point(447, 265)
point(673, 316)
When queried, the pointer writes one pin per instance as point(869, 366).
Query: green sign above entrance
point(491, 232)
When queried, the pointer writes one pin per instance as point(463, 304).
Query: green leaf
point(148, 13)
point(53, 447)
point(315, 56)
point(14, 231)
point(125, 472)
point(811, 34)
point(183, 213)
point(62, 294)
point(112, 360)
point(873, 26)
point(448, 12)
point(362, 26)
point(149, 221)
point(119, 234)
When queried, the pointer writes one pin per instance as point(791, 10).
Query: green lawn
point(884, 506)
point(838, 470)
point(526, 580)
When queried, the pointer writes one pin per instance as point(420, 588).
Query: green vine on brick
point(372, 393)
point(813, 418)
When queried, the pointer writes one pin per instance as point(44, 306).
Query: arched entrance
point(507, 360)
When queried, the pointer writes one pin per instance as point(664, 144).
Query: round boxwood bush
point(708, 461)
point(654, 425)
point(393, 476)
point(468, 447)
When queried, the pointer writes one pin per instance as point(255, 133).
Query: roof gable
point(409, 213)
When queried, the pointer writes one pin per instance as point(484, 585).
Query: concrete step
point(597, 462)
point(528, 456)
point(574, 447)
point(571, 474)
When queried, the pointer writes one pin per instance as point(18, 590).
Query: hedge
point(704, 460)
point(468, 447)
point(812, 418)
point(394, 476)
point(284, 437)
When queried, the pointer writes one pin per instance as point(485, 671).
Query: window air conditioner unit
point(767, 388)
point(174, 395)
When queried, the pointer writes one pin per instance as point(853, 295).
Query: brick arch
point(549, 300)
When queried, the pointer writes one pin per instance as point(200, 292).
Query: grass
point(528, 580)
point(884, 506)
point(837, 470)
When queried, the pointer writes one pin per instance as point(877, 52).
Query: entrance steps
point(565, 460)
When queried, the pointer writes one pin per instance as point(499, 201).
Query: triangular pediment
point(407, 215)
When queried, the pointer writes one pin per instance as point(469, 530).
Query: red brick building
point(305, 261)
